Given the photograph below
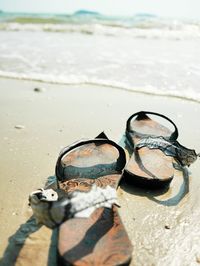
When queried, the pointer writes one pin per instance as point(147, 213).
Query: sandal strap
point(173, 136)
point(121, 160)
point(174, 149)
point(52, 212)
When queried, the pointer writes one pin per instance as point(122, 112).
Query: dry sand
point(163, 225)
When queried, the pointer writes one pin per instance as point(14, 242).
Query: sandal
point(100, 239)
point(154, 148)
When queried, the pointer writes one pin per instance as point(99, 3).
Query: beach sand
point(162, 225)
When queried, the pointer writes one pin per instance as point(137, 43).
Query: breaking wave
point(138, 26)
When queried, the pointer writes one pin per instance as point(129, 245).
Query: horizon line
point(97, 13)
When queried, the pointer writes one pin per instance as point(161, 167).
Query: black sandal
point(155, 149)
point(100, 239)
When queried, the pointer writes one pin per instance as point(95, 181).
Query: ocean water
point(142, 53)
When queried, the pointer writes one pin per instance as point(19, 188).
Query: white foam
point(188, 94)
point(152, 66)
point(180, 32)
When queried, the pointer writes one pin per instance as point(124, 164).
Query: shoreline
point(61, 114)
point(110, 86)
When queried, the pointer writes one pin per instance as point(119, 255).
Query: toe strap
point(54, 211)
point(174, 149)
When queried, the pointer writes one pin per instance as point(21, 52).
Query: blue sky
point(167, 8)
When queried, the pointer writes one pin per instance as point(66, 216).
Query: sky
point(166, 8)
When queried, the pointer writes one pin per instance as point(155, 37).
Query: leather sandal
point(100, 239)
point(154, 150)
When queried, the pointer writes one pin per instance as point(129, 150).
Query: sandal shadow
point(28, 243)
point(167, 196)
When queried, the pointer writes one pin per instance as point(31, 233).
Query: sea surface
point(143, 53)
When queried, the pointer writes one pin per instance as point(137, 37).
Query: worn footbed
point(100, 239)
point(154, 165)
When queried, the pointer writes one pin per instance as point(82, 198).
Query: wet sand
point(162, 225)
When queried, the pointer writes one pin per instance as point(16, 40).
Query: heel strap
point(143, 114)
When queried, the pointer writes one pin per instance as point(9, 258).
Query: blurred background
point(150, 46)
